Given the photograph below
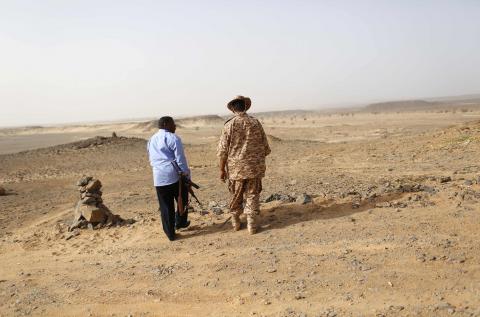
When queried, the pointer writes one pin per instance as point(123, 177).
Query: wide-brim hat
point(248, 102)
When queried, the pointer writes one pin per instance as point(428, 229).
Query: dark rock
point(3, 192)
point(385, 204)
point(217, 210)
point(445, 179)
point(93, 186)
point(399, 204)
point(91, 200)
point(409, 188)
point(97, 195)
point(429, 189)
point(280, 197)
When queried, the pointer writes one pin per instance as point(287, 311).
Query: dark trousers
point(167, 196)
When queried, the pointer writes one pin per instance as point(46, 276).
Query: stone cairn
point(90, 211)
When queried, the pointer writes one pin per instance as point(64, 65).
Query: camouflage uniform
point(244, 145)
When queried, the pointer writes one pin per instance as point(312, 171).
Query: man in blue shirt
point(167, 158)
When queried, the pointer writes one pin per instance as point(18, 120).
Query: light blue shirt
point(164, 148)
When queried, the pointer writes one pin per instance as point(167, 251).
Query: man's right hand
point(223, 169)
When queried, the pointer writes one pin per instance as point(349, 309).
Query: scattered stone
point(445, 179)
point(280, 197)
point(445, 306)
point(468, 182)
point(299, 296)
point(217, 211)
point(331, 313)
point(410, 188)
point(460, 259)
point(271, 270)
point(429, 189)
point(304, 199)
point(385, 204)
point(396, 308)
point(421, 257)
point(398, 204)
point(72, 234)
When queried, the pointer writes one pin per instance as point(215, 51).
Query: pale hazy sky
point(70, 61)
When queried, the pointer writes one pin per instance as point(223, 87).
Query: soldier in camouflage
point(242, 150)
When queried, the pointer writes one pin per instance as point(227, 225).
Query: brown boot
point(235, 222)
point(251, 224)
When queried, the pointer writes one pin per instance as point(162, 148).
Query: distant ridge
point(460, 98)
point(206, 120)
point(466, 102)
point(406, 105)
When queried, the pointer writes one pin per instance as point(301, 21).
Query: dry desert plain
point(393, 228)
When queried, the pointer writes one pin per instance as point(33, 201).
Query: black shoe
point(184, 225)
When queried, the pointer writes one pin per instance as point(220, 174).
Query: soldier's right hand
point(223, 175)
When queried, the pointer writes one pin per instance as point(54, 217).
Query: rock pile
point(90, 211)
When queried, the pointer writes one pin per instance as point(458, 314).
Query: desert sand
point(392, 229)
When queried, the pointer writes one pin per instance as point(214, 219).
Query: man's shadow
point(284, 215)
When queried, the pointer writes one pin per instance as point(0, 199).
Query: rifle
point(185, 181)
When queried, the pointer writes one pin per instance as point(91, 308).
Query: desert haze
point(367, 211)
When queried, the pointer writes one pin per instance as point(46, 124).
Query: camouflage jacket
point(244, 145)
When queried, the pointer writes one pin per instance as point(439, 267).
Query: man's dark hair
point(238, 105)
point(164, 121)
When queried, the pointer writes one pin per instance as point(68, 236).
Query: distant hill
point(465, 103)
point(197, 121)
point(457, 99)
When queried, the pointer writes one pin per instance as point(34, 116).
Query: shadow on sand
point(285, 215)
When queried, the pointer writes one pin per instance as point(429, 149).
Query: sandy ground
point(393, 229)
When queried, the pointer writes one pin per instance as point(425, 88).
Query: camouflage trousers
point(245, 197)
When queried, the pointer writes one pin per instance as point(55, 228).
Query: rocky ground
point(365, 219)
